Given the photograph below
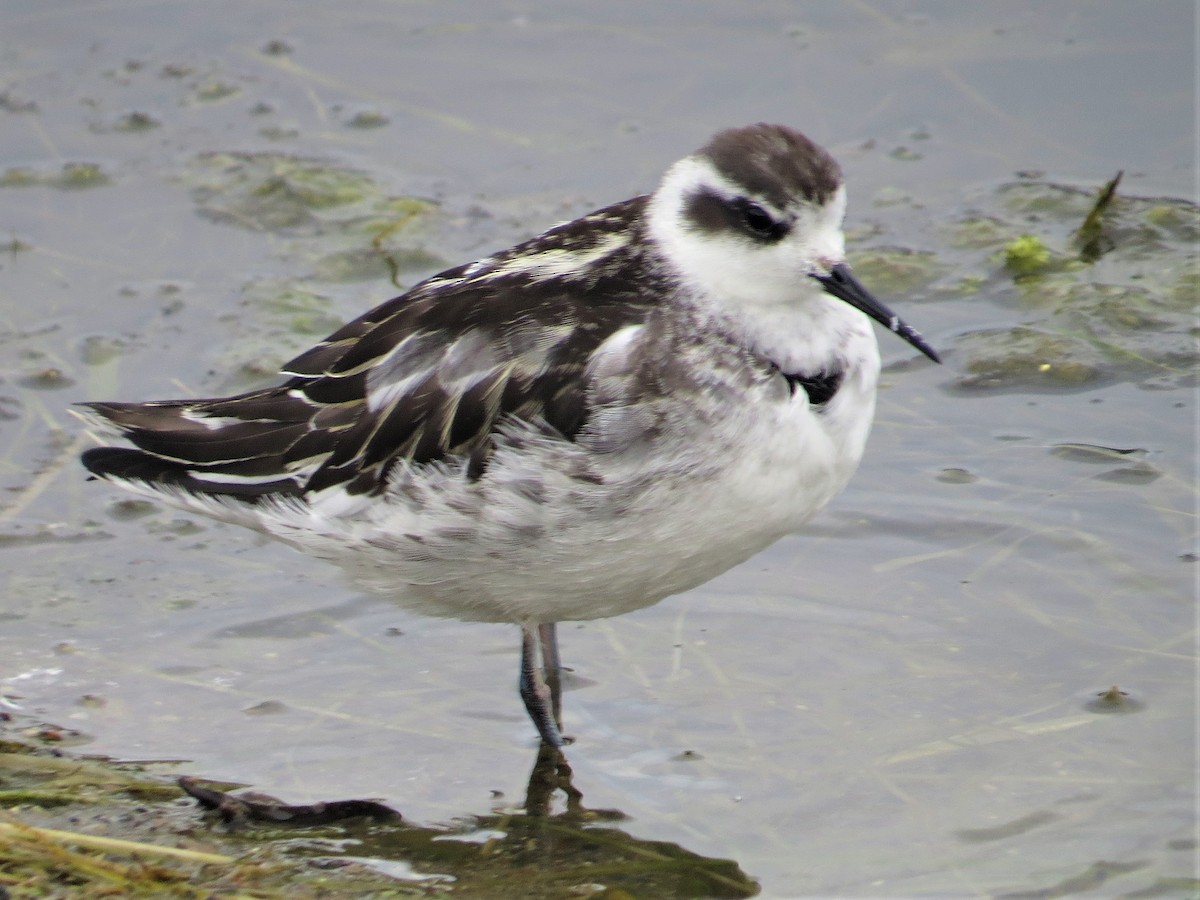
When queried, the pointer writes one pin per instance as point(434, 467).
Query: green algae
point(284, 193)
point(1026, 254)
point(1105, 289)
point(94, 827)
point(70, 176)
point(896, 271)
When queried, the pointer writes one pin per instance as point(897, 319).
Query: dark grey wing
point(425, 377)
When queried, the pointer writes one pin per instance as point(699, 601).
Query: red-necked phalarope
point(600, 417)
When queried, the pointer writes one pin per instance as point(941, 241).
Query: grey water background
point(902, 700)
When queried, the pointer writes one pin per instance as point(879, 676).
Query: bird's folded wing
point(425, 377)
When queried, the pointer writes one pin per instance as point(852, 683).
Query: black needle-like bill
point(841, 283)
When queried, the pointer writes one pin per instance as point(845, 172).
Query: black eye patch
point(709, 211)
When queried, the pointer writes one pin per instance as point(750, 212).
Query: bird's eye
point(760, 223)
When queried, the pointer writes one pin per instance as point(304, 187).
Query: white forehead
point(695, 174)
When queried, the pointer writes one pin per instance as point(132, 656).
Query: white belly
point(532, 541)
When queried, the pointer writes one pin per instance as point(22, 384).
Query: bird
point(607, 414)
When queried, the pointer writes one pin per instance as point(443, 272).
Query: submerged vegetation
point(1102, 288)
point(89, 827)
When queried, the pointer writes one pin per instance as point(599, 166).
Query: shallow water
point(903, 700)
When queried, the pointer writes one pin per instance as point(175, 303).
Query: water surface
point(903, 700)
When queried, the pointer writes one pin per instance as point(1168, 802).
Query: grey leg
point(535, 692)
point(552, 667)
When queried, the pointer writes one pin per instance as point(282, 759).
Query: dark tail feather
point(136, 465)
point(132, 465)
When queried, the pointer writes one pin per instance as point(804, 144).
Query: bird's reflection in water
point(551, 774)
point(529, 852)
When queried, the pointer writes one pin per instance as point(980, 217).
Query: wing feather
point(430, 376)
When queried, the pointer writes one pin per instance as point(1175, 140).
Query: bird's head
point(754, 220)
